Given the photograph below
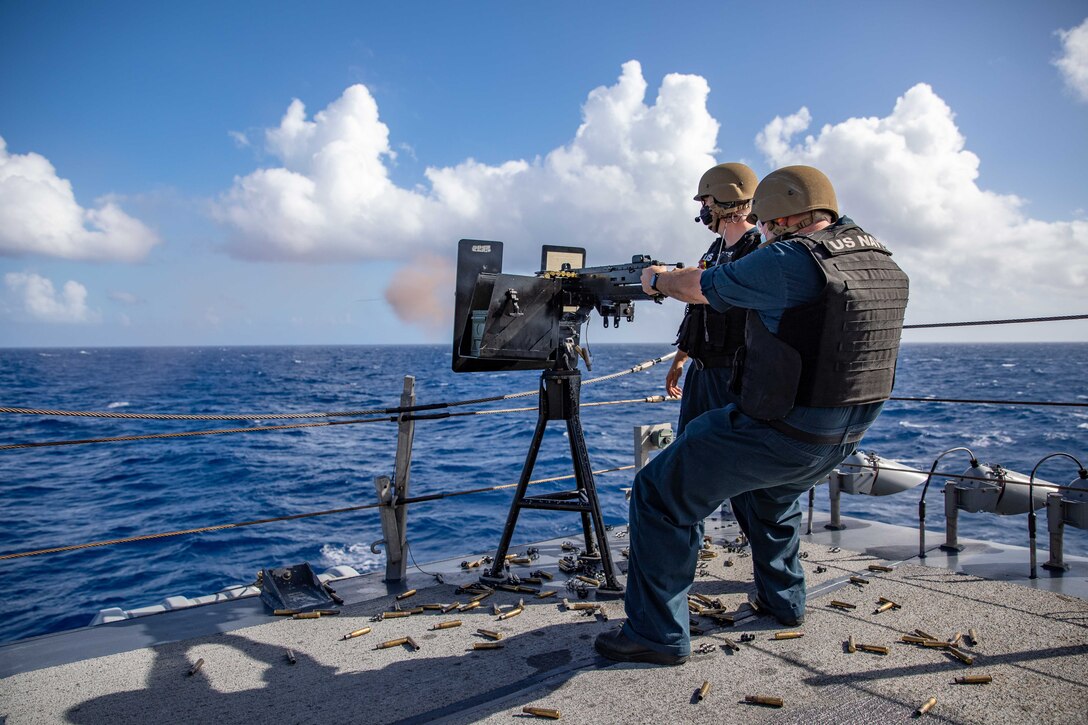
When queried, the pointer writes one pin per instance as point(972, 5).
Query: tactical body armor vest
point(706, 335)
point(837, 350)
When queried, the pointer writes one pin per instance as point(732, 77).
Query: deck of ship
point(1032, 640)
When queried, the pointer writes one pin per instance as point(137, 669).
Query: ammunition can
point(405, 595)
point(490, 634)
point(765, 700)
point(512, 613)
point(851, 645)
point(704, 690)
point(875, 648)
point(412, 643)
point(545, 712)
point(926, 707)
point(842, 605)
point(307, 615)
point(392, 643)
point(486, 645)
point(961, 656)
point(788, 635)
point(285, 612)
point(196, 667)
point(448, 625)
point(879, 567)
point(974, 679)
point(356, 633)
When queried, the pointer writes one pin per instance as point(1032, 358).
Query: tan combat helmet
point(793, 190)
point(728, 183)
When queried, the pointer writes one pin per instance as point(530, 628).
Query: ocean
point(68, 495)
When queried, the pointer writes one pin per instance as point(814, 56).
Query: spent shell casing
point(196, 667)
point(507, 587)
point(526, 590)
point(961, 656)
point(765, 700)
point(450, 607)
point(549, 593)
point(842, 605)
point(545, 575)
point(448, 625)
point(973, 636)
point(879, 567)
point(851, 645)
point(469, 606)
point(936, 644)
point(914, 639)
point(392, 643)
point(926, 707)
point(885, 600)
point(291, 657)
point(481, 596)
point(412, 643)
point(588, 580)
point(974, 679)
point(395, 615)
point(923, 633)
point(327, 612)
point(335, 597)
point(512, 613)
point(432, 607)
point(532, 580)
point(521, 560)
point(957, 639)
point(546, 712)
point(704, 690)
point(730, 644)
point(285, 612)
point(858, 580)
point(405, 595)
point(788, 635)
point(415, 610)
point(490, 633)
point(486, 645)
point(884, 607)
point(875, 648)
point(307, 615)
point(704, 599)
point(356, 633)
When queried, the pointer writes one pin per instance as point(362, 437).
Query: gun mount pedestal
point(560, 394)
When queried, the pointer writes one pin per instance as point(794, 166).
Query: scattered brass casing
point(486, 645)
point(704, 599)
point(412, 643)
point(936, 644)
point(532, 580)
point(450, 607)
point(481, 596)
point(356, 633)
point(512, 613)
point(788, 635)
point(731, 644)
point(927, 706)
point(884, 607)
point(858, 580)
point(546, 575)
point(704, 690)
point(766, 700)
point(956, 640)
point(291, 657)
point(415, 610)
point(507, 587)
point(196, 667)
point(545, 595)
point(405, 595)
point(974, 679)
point(842, 605)
point(285, 612)
point(521, 560)
point(392, 643)
point(546, 712)
point(448, 625)
point(973, 636)
point(961, 656)
point(588, 580)
point(922, 633)
point(327, 612)
point(913, 639)
point(851, 645)
point(490, 634)
point(307, 615)
point(876, 648)
point(879, 567)
point(395, 615)
point(433, 607)
point(885, 600)
point(470, 605)
point(526, 590)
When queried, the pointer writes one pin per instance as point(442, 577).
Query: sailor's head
point(792, 198)
point(725, 194)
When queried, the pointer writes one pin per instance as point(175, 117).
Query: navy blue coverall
point(724, 454)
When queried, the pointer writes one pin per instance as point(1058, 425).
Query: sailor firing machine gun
point(533, 322)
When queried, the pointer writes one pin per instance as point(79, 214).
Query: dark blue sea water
point(75, 494)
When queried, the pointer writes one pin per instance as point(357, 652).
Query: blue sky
point(288, 173)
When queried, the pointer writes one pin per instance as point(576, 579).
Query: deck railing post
point(406, 429)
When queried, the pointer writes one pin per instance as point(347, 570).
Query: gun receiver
point(522, 322)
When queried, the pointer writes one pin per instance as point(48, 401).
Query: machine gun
point(523, 322)
point(533, 322)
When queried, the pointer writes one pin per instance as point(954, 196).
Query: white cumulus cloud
point(909, 178)
point(36, 297)
point(1073, 62)
point(39, 215)
point(620, 178)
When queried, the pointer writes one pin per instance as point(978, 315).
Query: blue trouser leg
point(771, 520)
point(721, 454)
